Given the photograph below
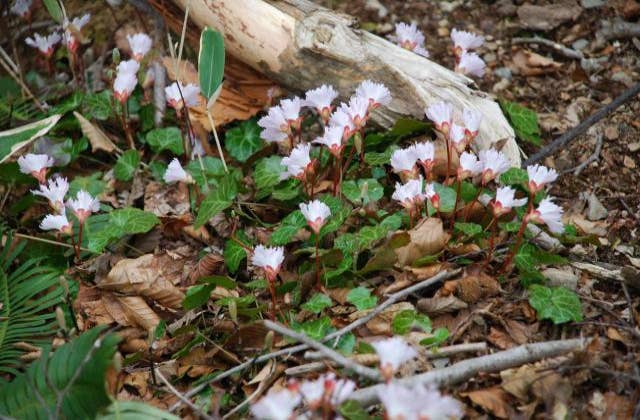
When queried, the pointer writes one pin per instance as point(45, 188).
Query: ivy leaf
point(234, 253)
point(98, 105)
point(353, 410)
point(379, 159)
point(447, 197)
point(244, 140)
point(361, 298)
point(468, 191)
point(316, 329)
point(523, 120)
point(267, 172)
point(126, 165)
point(514, 176)
point(93, 184)
point(317, 303)
point(363, 191)
point(197, 296)
point(558, 304)
point(289, 226)
point(130, 220)
point(290, 190)
point(217, 200)
point(213, 168)
point(468, 229)
point(407, 320)
point(169, 138)
point(393, 222)
point(440, 335)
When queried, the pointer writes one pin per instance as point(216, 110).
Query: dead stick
point(466, 369)
point(562, 141)
point(567, 52)
point(180, 396)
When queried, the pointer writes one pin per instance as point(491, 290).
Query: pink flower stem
point(318, 284)
point(520, 235)
point(455, 204)
point(492, 240)
point(470, 205)
point(446, 179)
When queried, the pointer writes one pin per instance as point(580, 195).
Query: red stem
point(318, 284)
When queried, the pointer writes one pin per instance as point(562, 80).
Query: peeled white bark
point(302, 45)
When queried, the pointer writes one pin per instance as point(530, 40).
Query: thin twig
point(567, 52)
point(466, 369)
point(562, 141)
point(181, 397)
point(442, 276)
point(47, 241)
point(326, 351)
point(592, 158)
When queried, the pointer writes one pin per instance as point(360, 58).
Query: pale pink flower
point(341, 118)
point(44, 44)
point(190, 93)
point(21, 8)
point(55, 191)
point(410, 38)
point(35, 165)
point(175, 173)
point(441, 114)
point(196, 146)
point(465, 41)
point(471, 120)
point(417, 403)
point(316, 213)
point(83, 205)
point(410, 194)
point(140, 45)
point(71, 28)
point(298, 163)
point(494, 164)
point(425, 153)
point(123, 86)
point(403, 161)
point(57, 222)
point(471, 63)
point(276, 405)
point(291, 111)
point(376, 94)
point(506, 200)
point(326, 389)
point(321, 98)
point(469, 166)
point(280, 120)
point(432, 195)
point(269, 259)
point(128, 67)
point(457, 137)
point(548, 213)
point(393, 352)
point(358, 110)
point(539, 176)
point(332, 138)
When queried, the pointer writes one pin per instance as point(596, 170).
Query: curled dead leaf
point(97, 138)
point(494, 400)
point(439, 305)
point(428, 238)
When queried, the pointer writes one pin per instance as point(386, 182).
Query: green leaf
point(514, 176)
point(558, 304)
point(130, 220)
point(213, 168)
point(361, 298)
point(290, 189)
point(353, 410)
point(93, 184)
point(363, 191)
point(158, 168)
point(219, 281)
point(54, 9)
point(316, 329)
point(126, 165)
point(440, 335)
point(15, 139)
point(523, 120)
point(393, 222)
point(219, 199)
point(134, 410)
point(210, 61)
point(468, 191)
point(405, 321)
point(234, 253)
point(197, 296)
point(447, 197)
point(379, 159)
point(98, 105)
point(289, 226)
point(468, 229)
point(169, 138)
point(244, 140)
point(317, 303)
point(267, 172)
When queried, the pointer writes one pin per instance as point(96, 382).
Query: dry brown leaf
point(248, 337)
point(423, 273)
point(97, 138)
point(138, 380)
point(150, 276)
point(493, 400)
point(439, 305)
point(529, 63)
point(137, 310)
point(588, 227)
point(474, 287)
point(556, 392)
point(520, 333)
point(209, 265)
point(428, 238)
point(610, 406)
point(500, 339)
point(381, 323)
point(166, 200)
point(517, 382)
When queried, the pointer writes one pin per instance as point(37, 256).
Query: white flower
point(441, 114)
point(506, 200)
point(358, 111)
point(494, 164)
point(432, 195)
point(35, 165)
point(57, 222)
point(549, 213)
point(320, 98)
point(140, 44)
point(73, 27)
point(128, 67)
point(539, 176)
point(326, 389)
point(471, 63)
point(275, 125)
point(291, 109)
point(297, 163)
point(332, 138)
point(376, 94)
point(316, 213)
point(272, 136)
point(55, 191)
point(269, 259)
point(419, 402)
point(123, 86)
point(456, 135)
point(471, 120)
point(404, 161)
point(469, 165)
point(278, 405)
point(464, 41)
point(196, 146)
point(409, 194)
point(190, 93)
point(341, 118)
point(83, 205)
point(425, 153)
point(21, 8)
point(175, 173)
point(44, 44)
point(411, 38)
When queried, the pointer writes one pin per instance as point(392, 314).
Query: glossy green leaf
point(524, 121)
point(217, 200)
point(362, 191)
point(558, 304)
point(361, 298)
point(169, 138)
point(244, 140)
point(267, 172)
point(210, 61)
point(126, 165)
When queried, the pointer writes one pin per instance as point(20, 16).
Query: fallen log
point(301, 45)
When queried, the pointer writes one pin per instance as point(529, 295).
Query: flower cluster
point(126, 80)
point(467, 62)
point(410, 38)
point(179, 95)
point(45, 44)
point(22, 8)
point(417, 402)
